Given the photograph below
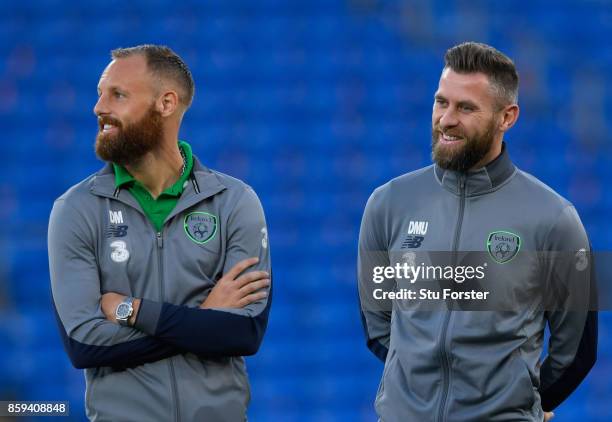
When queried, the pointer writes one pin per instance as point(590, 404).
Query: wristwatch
point(124, 311)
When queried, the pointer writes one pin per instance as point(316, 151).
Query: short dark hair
point(473, 57)
point(164, 63)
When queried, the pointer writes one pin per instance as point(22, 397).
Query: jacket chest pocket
point(209, 263)
point(202, 260)
point(190, 270)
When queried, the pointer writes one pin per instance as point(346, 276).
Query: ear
point(167, 103)
point(509, 116)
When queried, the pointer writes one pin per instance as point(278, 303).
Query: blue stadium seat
point(314, 103)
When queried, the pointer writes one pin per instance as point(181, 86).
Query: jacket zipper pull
point(461, 182)
point(160, 240)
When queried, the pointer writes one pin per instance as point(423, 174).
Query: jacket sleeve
point(372, 252)
point(220, 332)
point(89, 338)
point(571, 314)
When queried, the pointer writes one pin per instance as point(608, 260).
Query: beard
point(130, 143)
point(462, 157)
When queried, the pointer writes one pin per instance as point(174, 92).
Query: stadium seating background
point(314, 103)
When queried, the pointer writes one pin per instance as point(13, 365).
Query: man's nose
point(449, 118)
point(100, 108)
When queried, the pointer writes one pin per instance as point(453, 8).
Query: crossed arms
point(230, 322)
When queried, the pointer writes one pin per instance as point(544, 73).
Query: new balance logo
point(418, 227)
point(115, 217)
point(412, 242)
point(116, 231)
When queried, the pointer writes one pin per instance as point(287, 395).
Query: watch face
point(123, 311)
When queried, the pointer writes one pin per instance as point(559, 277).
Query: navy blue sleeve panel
point(207, 332)
point(93, 341)
point(571, 281)
point(554, 393)
point(220, 332)
point(124, 355)
point(375, 346)
point(585, 358)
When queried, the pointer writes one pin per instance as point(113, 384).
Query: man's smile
point(447, 139)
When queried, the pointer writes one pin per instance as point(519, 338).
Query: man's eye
point(119, 94)
point(440, 101)
point(467, 108)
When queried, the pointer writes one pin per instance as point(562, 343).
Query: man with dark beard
point(444, 361)
point(160, 267)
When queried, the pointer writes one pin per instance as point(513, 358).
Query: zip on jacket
point(444, 363)
point(184, 362)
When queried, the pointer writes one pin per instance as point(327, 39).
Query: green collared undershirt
point(156, 209)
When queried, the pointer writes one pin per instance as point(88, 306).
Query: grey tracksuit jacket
point(179, 362)
point(479, 364)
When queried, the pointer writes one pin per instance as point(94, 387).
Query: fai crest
point(200, 226)
point(503, 246)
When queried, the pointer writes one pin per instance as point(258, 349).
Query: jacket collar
point(202, 184)
point(478, 181)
